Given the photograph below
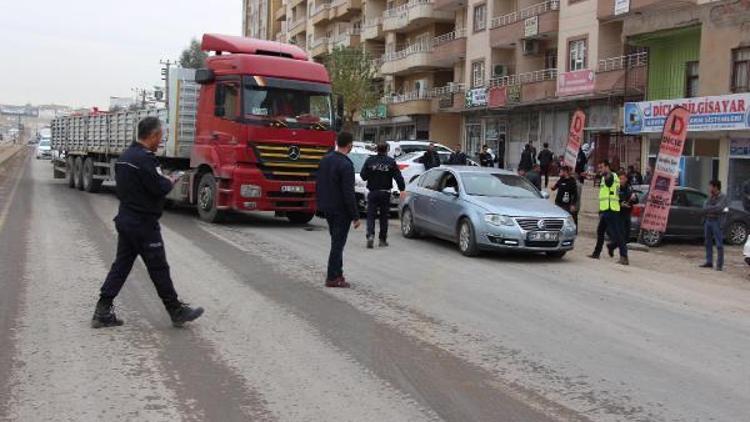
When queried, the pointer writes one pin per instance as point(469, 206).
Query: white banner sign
point(622, 6)
point(531, 26)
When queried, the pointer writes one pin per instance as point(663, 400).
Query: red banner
point(666, 171)
point(498, 96)
point(575, 135)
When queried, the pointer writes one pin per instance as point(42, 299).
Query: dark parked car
point(686, 218)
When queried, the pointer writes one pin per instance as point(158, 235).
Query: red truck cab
point(265, 118)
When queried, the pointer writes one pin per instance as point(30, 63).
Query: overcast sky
point(81, 52)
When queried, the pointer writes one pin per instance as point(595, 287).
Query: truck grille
point(532, 224)
point(289, 162)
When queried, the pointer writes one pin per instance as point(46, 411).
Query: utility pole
point(165, 77)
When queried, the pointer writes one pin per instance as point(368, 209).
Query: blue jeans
point(338, 227)
point(713, 234)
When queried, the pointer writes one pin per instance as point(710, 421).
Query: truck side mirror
point(339, 113)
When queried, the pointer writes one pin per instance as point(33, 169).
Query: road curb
point(9, 156)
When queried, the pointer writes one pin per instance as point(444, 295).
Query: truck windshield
point(288, 103)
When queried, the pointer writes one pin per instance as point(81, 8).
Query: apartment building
point(509, 72)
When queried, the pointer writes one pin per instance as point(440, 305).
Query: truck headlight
point(250, 191)
point(498, 220)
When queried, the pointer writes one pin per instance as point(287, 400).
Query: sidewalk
point(7, 151)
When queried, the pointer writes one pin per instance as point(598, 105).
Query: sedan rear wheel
point(651, 238)
point(736, 233)
point(467, 242)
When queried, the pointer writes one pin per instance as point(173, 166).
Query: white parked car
point(358, 156)
point(44, 149)
point(746, 251)
point(411, 164)
point(398, 148)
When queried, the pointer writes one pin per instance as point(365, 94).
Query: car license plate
point(543, 236)
point(293, 189)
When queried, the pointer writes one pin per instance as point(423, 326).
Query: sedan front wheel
point(467, 241)
point(407, 224)
point(736, 233)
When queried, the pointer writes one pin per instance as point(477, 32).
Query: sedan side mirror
point(448, 190)
point(545, 194)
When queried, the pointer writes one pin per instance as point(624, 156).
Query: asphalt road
point(425, 334)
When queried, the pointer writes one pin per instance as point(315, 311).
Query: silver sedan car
point(485, 209)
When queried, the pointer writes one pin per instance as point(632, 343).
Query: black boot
point(104, 315)
point(370, 241)
point(182, 313)
point(383, 243)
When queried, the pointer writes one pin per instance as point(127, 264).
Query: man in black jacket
point(485, 158)
point(141, 188)
point(527, 161)
point(567, 192)
point(430, 158)
point(457, 158)
point(545, 162)
point(379, 171)
point(336, 200)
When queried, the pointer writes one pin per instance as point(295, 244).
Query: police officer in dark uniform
point(141, 188)
point(379, 171)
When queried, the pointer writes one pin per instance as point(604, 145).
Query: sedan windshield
point(358, 160)
point(500, 185)
point(44, 143)
point(287, 103)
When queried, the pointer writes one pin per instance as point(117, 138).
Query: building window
point(691, 79)
point(577, 55)
point(741, 70)
point(550, 58)
point(480, 17)
point(477, 73)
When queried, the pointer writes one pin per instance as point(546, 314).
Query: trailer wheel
point(90, 184)
point(71, 173)
point(207, 196)
point(299, 217)
point(78, 166)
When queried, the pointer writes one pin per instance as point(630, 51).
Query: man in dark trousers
point(430, 158)
point(581, 161)
point(457, 158)
point(545, 163)
point(142, 189)
point(379, 171)
point(485, 158)
point(336, 200)
point(609, 210)
point(567, 192)
point(715, 214)
point(527, 159)
point(628, 198)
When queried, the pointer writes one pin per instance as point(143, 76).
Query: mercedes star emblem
point(294, 152)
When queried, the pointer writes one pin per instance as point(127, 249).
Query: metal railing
point(421, 47)
point(319, 7)
point(623, 62)
point(425, 94)
point(525, 78)
point(450, 36)
point(294, 25)
point(369, 23)
point(526, 12)
point(317, 42)
point(396, 11)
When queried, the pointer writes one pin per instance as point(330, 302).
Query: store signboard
point(622, 7)
point(476, 97)
point(531, 26)
point(718, 113)
point(666, 171)
point(380, 111)
point(498, 96)
point(575, 136)
point(576, 82)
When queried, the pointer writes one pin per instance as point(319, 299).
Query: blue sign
point(719, 113)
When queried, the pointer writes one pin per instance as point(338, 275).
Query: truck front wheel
point(299, 217)
point(71, 171)
point(207, 195)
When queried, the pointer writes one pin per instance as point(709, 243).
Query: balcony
point(319, 47)
point(449, 98)
point(345, 9)
point(535, 21)
point(535, 86)
point(320, 13)
point(280, 37)
point(414, 57)
point(297, 27)
point(449, 5)
point(606, 8)
point(350, 38)
point(447, 49)
point(414, 102)
point(624, 75)
point(295, 3)
point(280, 14)
point(413, 14)
point(373, 29)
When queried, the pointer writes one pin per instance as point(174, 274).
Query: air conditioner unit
point(530, 47)
point(500, 70)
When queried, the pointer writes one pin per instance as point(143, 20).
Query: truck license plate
point(543, 236)
point(293, 189)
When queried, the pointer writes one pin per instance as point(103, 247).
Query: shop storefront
point(718, 143)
